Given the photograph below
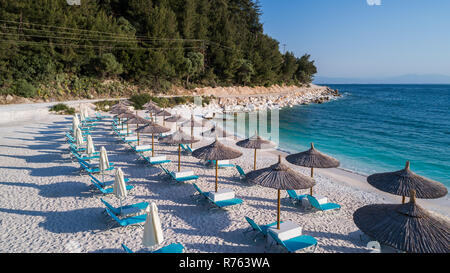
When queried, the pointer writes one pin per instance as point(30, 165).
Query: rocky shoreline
point(239, 99)
point(277, 101)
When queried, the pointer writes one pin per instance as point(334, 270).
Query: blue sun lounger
point(100, 116)
point(294, 197)
point(219, 204)
point(242, 174)
point(138, 206)
point(106, 183)
point(146, 158)
point(179, 179)
point(172, 248)
point(108, 190)
point(212, 163)
point(76, 148)
point(75, 153)
point(322, 207)
point(132, 220)
point(186, 148)
point(296, 243)
point(139, 150)
point(261, 230)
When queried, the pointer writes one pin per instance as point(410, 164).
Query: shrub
point(101, 105)
point(139, 100)
point(24, 89)
point(61, 108)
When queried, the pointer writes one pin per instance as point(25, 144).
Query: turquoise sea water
point(376, 128)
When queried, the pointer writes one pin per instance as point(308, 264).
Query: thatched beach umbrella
point(127, 115)
point(163, 113)
point(119, 110)
point(137, 120)
point(152, 128)
point(407, 227)
point(179, 137)
point(403, 181)
point(152, 108)
point(255, 142)
point(313, 159)
point(216, 151)
point(280, 177)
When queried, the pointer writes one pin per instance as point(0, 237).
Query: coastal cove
point(373, 128)
point(36, 165)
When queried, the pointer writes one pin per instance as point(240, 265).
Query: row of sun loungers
point(132, 214)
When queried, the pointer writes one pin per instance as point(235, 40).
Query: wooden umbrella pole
point(179, 157)
point(312, 176)
point(254, 165)
point(127, 129)
point(278, 212)
point(217, 167)
point(192, 136)
point(153, 146)
point(138, 138)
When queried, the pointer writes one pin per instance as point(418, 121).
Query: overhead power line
point(94, 46)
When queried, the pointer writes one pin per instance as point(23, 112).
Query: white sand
point(46, 206)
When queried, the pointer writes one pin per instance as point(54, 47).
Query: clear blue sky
point(350, 38)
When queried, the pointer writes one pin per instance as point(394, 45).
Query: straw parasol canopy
point(152, 128)
point(403, 181)
point(137, 120)
point(179, 137)
point(312, 158)
point(407, 227)
point(163, 113)
point(125, 102)
point(127, 115)
point(151, 107)
point(216, 151)
point(119, 110)
point(176, 118)
point(255, 142)
point(280, 177)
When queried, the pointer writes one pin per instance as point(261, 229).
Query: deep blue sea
point(376, 128)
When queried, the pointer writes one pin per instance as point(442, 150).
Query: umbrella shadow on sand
point(55, 190)
point(73, 221)
point(41, 158)
point(48, 171)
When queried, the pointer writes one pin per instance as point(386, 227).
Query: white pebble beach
point(46, 206)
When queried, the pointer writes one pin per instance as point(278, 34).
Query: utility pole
point(284, 48)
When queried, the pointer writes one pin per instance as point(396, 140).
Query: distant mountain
point(402, 79)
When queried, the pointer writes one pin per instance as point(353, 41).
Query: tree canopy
point(151, 42)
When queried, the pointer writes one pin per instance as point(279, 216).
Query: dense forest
point(48, 46)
